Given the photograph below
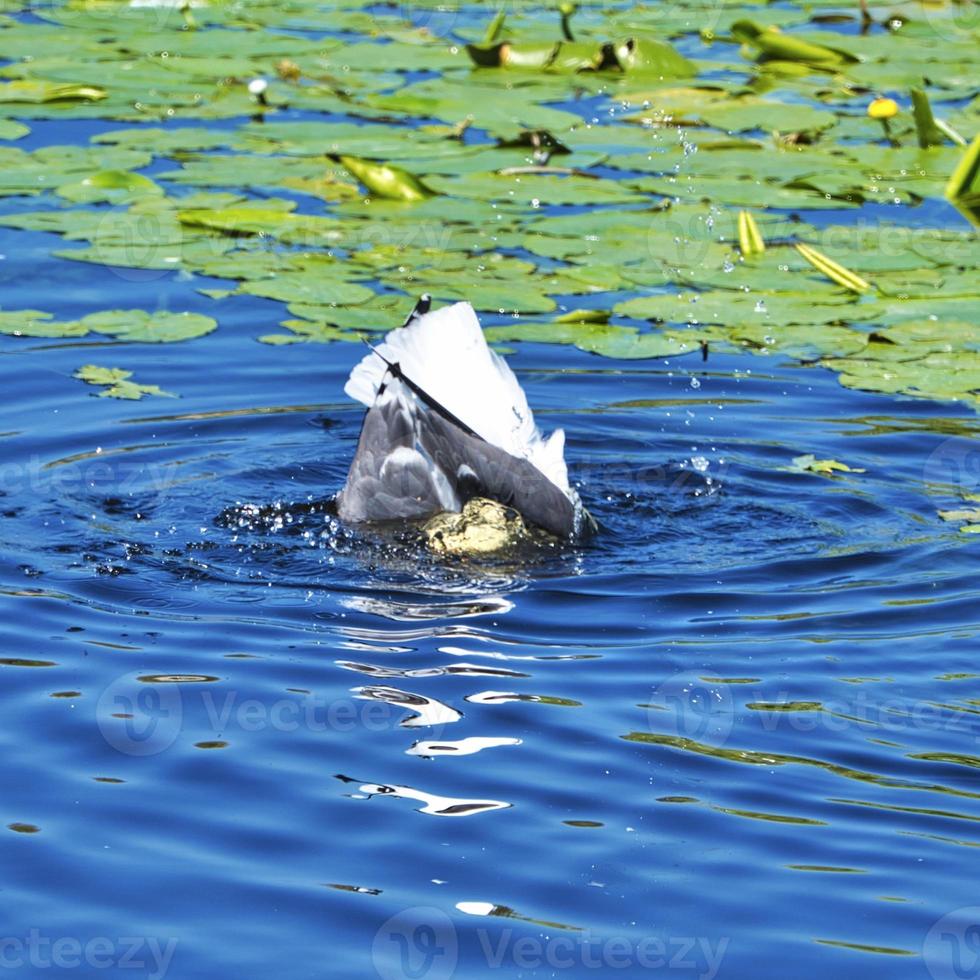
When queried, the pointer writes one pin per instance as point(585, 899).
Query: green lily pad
point(116, 384)
point(305, 331)
point(769, 44)
point(634, 56)
point(138, 326)
point(435, 55)
point(36, 323)
point(607, 340)
point(933, 336)
point(326, 324)
point(748, 112)
point(936, 375)
point(310, 288)
point(386, 180)
point(10, 129)
point(500, 109)
point(31, 91)
point(522, 183)
point(278, 222)
point(536, 189)
point(763, 309)
point(968, 515)
point(649, 56)
point(165, 142)
point(371, 141)
point(114, 186)
point(218, 170)
point(711, 107)
point(824, 467)
point(54, 166)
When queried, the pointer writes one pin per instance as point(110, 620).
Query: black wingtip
point(422, 307)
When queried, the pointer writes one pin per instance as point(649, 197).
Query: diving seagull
point(448, 421)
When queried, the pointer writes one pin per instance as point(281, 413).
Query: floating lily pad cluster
point(116, 383)
point(122, 325)
point(966, 516)
point(637, 182)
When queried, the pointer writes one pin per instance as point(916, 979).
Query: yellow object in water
point(483, 527)
point(882, 108)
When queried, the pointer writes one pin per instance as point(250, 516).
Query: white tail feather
point(446, 354)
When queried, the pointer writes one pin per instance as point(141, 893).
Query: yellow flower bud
point(882, 108)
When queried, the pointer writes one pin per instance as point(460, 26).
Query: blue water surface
point(733, 735)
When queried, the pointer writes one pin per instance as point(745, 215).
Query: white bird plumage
point(445, 353)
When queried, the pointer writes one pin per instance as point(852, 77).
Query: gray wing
point(474, 467)
point(412, 462)
point(390, 477)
